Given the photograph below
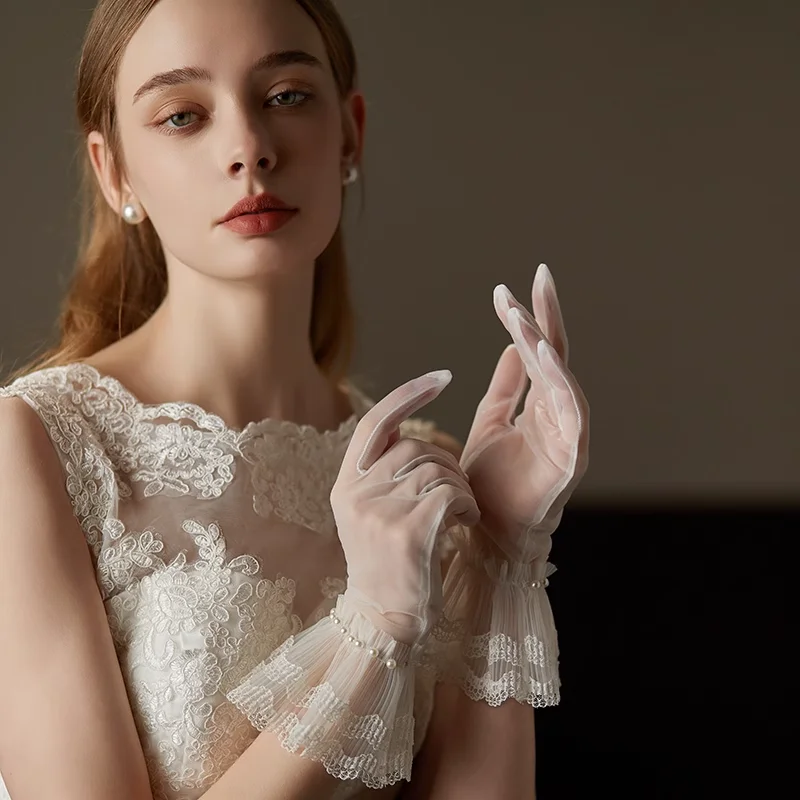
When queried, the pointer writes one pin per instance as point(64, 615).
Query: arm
point(66, 726)
point(474, 750)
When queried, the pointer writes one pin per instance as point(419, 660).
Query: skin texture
point(232, 334)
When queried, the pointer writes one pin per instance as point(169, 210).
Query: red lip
point(255, 204)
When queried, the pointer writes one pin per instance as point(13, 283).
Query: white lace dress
point(212, 546)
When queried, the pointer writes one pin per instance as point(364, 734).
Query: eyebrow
point(182, 75)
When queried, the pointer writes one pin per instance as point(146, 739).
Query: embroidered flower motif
point(171, 602)
point(116, 564)
point(196, 674)
point(113, 528)
point(182, 459)
point(218, 638)
point(292, 477)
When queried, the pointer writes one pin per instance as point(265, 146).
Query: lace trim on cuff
point(344, 699)
point(496, 637)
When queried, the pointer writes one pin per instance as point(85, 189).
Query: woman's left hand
point(523, 470)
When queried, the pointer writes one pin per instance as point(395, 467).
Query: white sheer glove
point(342, 692)
point(522, 469)
point(392, 499)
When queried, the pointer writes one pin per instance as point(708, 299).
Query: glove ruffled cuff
point(341, 693)
point(496, 637)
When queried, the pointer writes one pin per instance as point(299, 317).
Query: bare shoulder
point(36, 510)
point(24, 442)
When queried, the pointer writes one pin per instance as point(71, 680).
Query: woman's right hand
point(392, 498)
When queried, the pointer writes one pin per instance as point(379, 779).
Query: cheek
point(314, 159)
point(173, 189)
point(166, 182)
point(314, 152)
point(325, 153)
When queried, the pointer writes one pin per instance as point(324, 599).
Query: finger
point(562, 400)
point(547, 311)
point(528, 343)
point(522, 327)
point(531, 347)
point(427, 476)
point(442, 480)
point(575, 406)
point(508, 382)
point(378, 428)
point(408, 451)
point(504, 301)
point(553, 388)
point(438, 456)
point(449, 503)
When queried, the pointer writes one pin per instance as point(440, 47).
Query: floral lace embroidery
point(179, 458)
point(283, 469)
point(117, 564)
point(183, 460)
point(186, 629)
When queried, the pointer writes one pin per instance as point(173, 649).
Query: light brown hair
point(120, 275)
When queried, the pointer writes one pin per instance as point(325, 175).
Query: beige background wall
point(646, 151)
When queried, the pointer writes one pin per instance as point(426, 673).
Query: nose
point(243, 166)
point(251, 150)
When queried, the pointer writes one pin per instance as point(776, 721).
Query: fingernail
point(501, 293)
point(441, 375)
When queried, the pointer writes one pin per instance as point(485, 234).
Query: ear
point(354, 113)
point(115, 190)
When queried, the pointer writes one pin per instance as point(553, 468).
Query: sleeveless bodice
point(211, 546)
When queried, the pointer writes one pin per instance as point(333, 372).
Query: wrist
point(498, 569)
point(497, 637)
point(518, 556)
point(363, 626)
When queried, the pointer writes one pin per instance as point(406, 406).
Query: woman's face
point(193, 149)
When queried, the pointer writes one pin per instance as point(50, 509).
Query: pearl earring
point(130, 213)
point(351, 176)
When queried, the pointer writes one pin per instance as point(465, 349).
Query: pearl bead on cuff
point(389, 663)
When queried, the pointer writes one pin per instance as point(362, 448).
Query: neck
point(239, 351)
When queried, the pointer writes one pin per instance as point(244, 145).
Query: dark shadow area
point(675, 655)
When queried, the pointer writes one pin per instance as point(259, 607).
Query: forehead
point(224, 36)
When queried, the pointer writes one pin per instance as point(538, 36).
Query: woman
point(222, 570)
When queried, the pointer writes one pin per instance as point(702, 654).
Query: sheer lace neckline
point(175, 410)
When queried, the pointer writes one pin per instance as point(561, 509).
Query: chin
point(261, 257)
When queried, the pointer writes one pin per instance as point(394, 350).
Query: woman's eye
point(177, 117)
point(290, 97)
